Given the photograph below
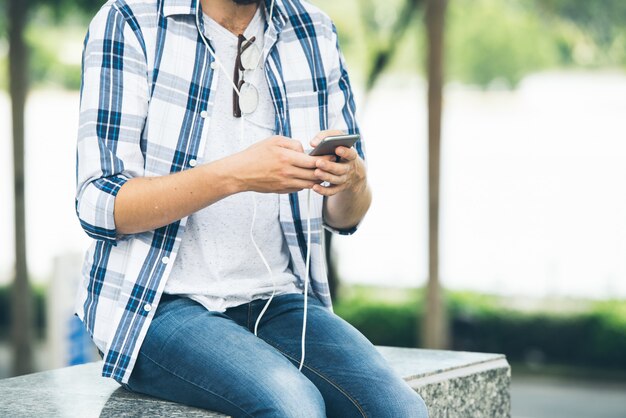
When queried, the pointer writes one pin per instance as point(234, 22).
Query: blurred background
point(518, 147)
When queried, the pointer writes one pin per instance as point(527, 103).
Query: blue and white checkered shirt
point(145, 110)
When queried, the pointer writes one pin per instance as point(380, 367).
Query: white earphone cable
point(265, 263)
point(271, 12)
point(254, 211)
point(306, 274)
point(208, 47)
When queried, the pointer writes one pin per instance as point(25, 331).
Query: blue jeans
point(214, 361)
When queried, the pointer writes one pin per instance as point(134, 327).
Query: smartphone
point(330, 143)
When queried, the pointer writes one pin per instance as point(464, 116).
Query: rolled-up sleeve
point(342, 108)
point(113, 108)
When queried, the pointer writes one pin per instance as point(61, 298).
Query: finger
point(332, 158)
point(329, 157)
point(323, 134)
point(328, 191)
point(303, 160)
point(331, 178)
point(291, 144)
point(305, 184)
point(346, 153)
point(338, 169)
point(297, 185)
point(302, 174)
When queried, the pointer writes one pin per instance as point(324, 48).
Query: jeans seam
point(194, 384)
point(174, 333)
point(249, 314)
point(317, 372)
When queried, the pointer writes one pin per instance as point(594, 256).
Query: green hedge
point(594, 337)
point(5, 311)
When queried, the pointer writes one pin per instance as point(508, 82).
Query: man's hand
point(346, 174)
point(276, 165)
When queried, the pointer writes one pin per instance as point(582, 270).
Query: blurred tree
point(383, 48)
point(435, 327)
point(3, 15)
point(383, 43)
point(52, 27)
point(601, 23)
point(22, 298)
point(497, 42)
point(3, 24)
point(21, 308)
point(604, 20)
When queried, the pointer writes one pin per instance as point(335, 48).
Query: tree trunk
point(435, 332)
point(22, 304)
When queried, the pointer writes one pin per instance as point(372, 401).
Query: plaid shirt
point(145, 110)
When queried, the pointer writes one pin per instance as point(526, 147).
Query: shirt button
point(204, 114)
point(192, 163)
point(214, 65)
point(147, 307)
point(165, 260)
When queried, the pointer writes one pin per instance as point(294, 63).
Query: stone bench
point(452, 383)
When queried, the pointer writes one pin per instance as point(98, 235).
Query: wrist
point(360, 185)
point(229, 176)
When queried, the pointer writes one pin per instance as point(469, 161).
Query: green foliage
point(590, 33)
point(5, 311)
point(4, 48)
point(503, 40)
point(53, 27)
point(64, 8)
point(4, 69)
point(3, 17)
point(366, 28)
point(493, 40)
point(383, 48)
point(604, 20)
point(588, 339)
point(55, 57)
point(489, 42)
point(594, 337)
point(384, 323)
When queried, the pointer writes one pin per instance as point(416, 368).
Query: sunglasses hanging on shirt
point(246, 97)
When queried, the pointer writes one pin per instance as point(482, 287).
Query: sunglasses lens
point(248, 98)
point(250, 57)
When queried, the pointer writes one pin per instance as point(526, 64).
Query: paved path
point(542, 397)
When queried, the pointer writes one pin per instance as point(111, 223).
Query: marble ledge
point(452, 383)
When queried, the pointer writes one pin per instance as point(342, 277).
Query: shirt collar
point(188, 7)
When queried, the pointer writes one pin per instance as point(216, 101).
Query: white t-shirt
point(217, 264)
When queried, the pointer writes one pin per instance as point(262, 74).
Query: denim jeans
point(213, 360)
